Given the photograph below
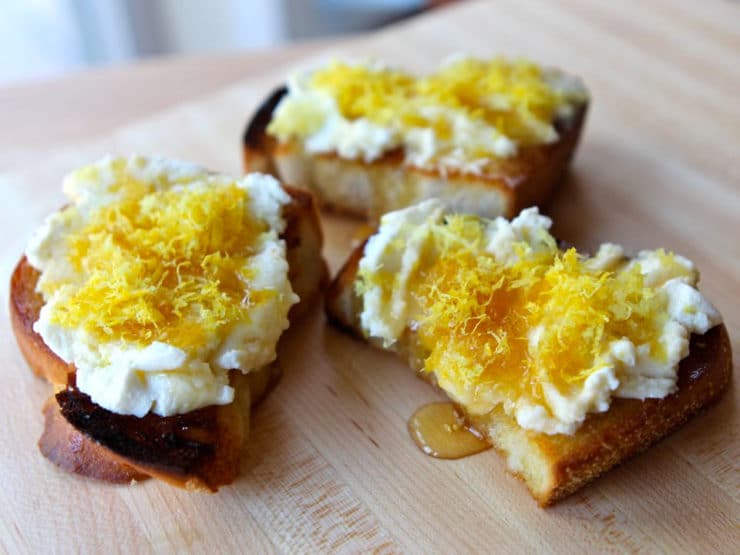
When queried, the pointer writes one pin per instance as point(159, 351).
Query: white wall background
point(41, 38)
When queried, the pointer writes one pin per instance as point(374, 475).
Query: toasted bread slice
point(196, 450)
point(554, 466)
point(370, 189)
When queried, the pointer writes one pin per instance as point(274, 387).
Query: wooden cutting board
point(330, 466)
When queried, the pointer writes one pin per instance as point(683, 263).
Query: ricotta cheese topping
point(463, 116)
point(506, 318)
point(159, 278)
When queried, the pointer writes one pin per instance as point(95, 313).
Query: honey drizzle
point(439, 430)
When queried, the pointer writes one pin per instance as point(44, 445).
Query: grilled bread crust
point(196, 450)
point(554, 466)
point(369, 190)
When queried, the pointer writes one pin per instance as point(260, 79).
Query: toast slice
point(197, 450)
point(554, 466)
point(368, 190)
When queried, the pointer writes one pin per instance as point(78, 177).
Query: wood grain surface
point(329, 465)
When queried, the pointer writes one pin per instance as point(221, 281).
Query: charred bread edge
point(256, 129)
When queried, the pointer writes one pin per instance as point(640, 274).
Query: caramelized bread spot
point(179, 444)
point(72, 450)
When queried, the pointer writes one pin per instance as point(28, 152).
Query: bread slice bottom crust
point(198, 450)
point(554, 466)
point(371, 189)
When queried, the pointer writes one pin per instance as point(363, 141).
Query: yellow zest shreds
point(513, 97)
point(479, 316)
point(362, 91)
point(162, 265)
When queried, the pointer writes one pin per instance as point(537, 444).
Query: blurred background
point(42, 38)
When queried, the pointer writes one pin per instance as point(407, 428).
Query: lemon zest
point(161, 263)
point(477, 315)
point(512, 96)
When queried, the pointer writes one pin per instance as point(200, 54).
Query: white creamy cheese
point(401, 247)
point(131, 379)
point(567, 84)
point(386, 318)
point(324, 129)
point(367, 141)
point(329, 131)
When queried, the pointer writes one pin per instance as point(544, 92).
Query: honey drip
point(439, 430)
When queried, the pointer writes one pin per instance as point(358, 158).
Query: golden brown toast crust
point(307, 270)
point(603, 440)
point(526, 179)
point(197, 450)
point(25, 304)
